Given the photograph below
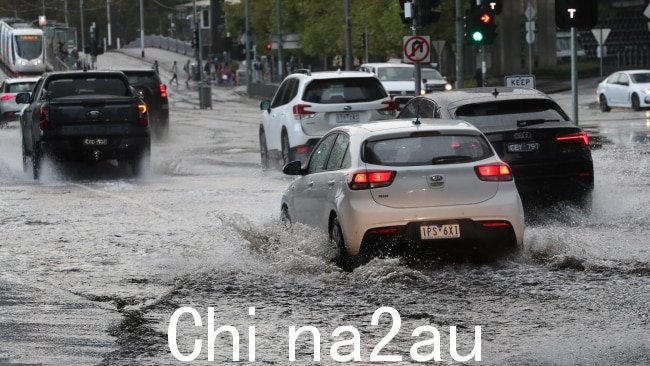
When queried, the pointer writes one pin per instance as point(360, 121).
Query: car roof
point(332, 75)
point(397, 125)
point(386, 64)
point(640, 71)
point(483, 95)
point(22, 80)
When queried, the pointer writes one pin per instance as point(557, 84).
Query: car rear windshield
point(20, 87)
point(143, 78)
point(344, 90)
point(505, 114)
point(75, 86)
point(426, 149)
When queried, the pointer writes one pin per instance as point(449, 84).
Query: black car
point(550, 156)
point(154, 92)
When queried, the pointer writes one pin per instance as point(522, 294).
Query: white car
point(307, 105)
point(629, 88)
point(406, 187)
point(9, 109)
point(399, 80)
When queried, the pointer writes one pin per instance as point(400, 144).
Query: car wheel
point(604, 107)
point(26, 159)
point(285, 219)
point(287, 156)
point(37, 164)
point(141, 164)
point(636, 104)
point(341, 256)
point(585, 202)
point(264, 152)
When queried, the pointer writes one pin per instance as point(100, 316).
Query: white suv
point(307, 105)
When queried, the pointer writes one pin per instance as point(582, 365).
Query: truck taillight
point(163, 90)
point(366, 179)
point(300, 111)
point(143, 115)
point(44, 120)
point(494, 172)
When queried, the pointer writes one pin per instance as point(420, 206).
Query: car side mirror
point(293, 168)
point(265, 105)
point(22, 98)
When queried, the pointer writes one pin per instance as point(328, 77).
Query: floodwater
point(93, 263)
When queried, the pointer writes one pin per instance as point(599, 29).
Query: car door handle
point(331, 182)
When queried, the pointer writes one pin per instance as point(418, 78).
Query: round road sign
point(417, 48)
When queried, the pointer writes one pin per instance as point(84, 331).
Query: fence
point(165, 43)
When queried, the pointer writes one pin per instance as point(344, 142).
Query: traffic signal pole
point(574, 76)
point(459, 45)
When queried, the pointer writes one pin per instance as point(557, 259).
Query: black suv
point(154, 92)
point(550, 156)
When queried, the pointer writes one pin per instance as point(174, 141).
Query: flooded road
point(93, 263)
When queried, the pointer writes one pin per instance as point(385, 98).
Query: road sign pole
point(601, 53)
point(418, 76)
point(574, 76)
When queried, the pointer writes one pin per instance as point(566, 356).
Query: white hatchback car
point(404, 187)
point(630, 89)
point(9, 109)
point(307, 105)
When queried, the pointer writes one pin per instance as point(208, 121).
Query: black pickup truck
point(84, 116)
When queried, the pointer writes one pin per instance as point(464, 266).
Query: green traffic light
point(477, 36)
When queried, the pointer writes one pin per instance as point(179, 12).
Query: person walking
point(174, 74)
point(186, 68)
point(155, 66)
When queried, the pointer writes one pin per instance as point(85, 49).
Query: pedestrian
point(155, 66)
point(186, 68)
point(478, 76)
point(174, 74)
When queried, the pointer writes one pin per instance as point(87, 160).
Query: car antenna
point(416, 121)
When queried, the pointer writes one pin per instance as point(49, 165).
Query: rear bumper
point(73, 149)
point(359, 215)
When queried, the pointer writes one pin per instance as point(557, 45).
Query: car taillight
point(44, 120)
point(163, 90)
point(579, 138)
point(300, 111)
point(7, 97)
point(143, 116)
point(494, 172)
point(385, 231)
point(366, 179)
point(390, 108)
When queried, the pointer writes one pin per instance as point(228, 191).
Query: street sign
point(646, 12)
point(520, 81)
point(438, 46)
point(417, 49)
point(530, 37)
point(601, 34)
point(530, 12)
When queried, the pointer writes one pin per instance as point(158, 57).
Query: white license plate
point(348, 117)
point(523, 147)
point(439, 232)
point(95, 142)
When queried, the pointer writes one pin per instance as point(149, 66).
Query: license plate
point(523, 147)
point(348, 117)
point(439, 232)
point(95, 142)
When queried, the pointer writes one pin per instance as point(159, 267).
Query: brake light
point(302, 149)
point(367, 179)
point(384, 231)
point(580, 138)
point(163, 90)
point(494, 172)
point(390, 108)
point(300, 111)
point(44, 119)
point(143, 115)
point(7, 97)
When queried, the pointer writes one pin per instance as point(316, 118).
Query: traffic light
point(363, 40)
point(480, 28)
point(576, 13)
point(428, 12)
point(269, 46)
